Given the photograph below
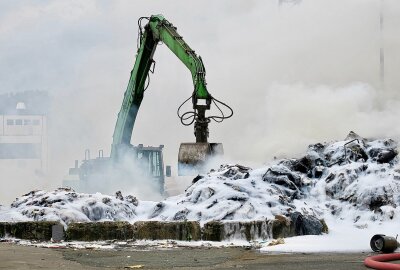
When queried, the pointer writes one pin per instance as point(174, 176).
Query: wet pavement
point(13, 256)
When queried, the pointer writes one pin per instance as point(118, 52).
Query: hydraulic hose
point(381, 261)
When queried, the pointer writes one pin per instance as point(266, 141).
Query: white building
point(23, 141)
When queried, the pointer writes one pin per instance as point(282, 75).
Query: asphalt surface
point(13, 256)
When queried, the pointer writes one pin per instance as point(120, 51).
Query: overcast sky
point(294, 75)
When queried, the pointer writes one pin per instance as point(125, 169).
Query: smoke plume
point(294, 74)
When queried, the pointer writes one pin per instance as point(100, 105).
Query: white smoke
point(297, 115)
point(293, 76)
point(129, 175)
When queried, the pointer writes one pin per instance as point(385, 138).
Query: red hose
point(380, 261)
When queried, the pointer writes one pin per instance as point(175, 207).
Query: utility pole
point(382, 49)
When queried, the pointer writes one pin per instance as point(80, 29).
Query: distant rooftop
point(27, 102)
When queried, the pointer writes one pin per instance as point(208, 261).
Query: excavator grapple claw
point(193, 157)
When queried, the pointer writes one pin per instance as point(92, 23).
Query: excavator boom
point(157, 30)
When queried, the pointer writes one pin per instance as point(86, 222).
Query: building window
point(27, 122)
point(18, 122)
point(36, 122)
point(10, 122)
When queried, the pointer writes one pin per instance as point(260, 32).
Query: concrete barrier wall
point(279, 227)
point(31, 230)
point(230, 230)
point(177, 230)
point(107, 230)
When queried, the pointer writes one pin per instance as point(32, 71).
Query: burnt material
point(281, 175)
point(386, 156)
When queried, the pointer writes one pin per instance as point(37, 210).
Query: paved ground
point(13, 256)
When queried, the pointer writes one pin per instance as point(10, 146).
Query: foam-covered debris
point(67, 206)
point(356, 179)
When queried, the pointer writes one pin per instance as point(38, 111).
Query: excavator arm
point(157, 30)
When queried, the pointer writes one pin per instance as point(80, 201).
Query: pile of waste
point(356, 179)
point(66, 206)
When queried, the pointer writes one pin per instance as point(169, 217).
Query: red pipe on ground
point(380, 261)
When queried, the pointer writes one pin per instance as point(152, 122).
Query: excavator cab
point(133, 164)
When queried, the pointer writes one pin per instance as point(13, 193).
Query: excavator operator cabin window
point(156, 164)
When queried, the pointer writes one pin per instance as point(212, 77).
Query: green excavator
point(192, 157)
